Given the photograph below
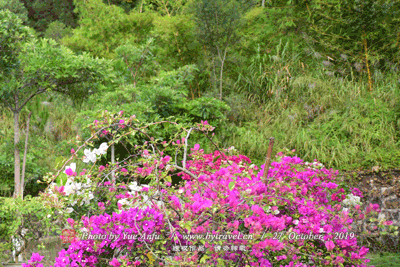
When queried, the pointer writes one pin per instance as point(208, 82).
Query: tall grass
point(325, 117)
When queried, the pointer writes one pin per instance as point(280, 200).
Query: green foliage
point(55, 67)
point(371, 28)
point(206, 108)
point(162, 7)
point(178, 32)
point(16, 7)
point(217, 21)
point(384, 259)
point(57, 30)
point(16, 215)
point(268, 73)
point(127, 5)
point(103, 28)
point(43, 13)
point(135, 61)
point(12, 36)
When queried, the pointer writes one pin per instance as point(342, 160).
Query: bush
point(298, 217)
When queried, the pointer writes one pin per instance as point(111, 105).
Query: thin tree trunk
point(221, 73)
point(268, 160)
point(263, 3)
point(166, 8)
point(25, 151)
point(215, 76)
point(17, 160)
point(367, 64)
point(112, 161)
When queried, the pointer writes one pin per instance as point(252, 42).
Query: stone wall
point(381, 188)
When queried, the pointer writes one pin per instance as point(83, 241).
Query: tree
point(29, 67)
point(216, 26)
point(42, 13)
point(135, 58)
point(102, 28)
point(16, 7)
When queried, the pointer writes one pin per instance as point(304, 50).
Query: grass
point(384, 259)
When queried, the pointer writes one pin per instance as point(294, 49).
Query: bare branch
point(184, 155)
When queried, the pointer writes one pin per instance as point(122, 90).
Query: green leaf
point(231, 185)
point(204, 258)
point(62, 179)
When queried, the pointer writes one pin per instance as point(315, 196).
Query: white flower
point(74, 203)
point(321, 230)
point(352, 200)
point(69, 210)
point(296, 222)
point(91, 196)
point(134, 187)
point(345, 209)
point(48, 216)
point(102, 149)
point(124, 201)
point(89, 156)
point(180, 191)
point(77, 186)
point(68, 187)
point(145, 198)
point(276, 212)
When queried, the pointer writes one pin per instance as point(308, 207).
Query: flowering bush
point(294, 219)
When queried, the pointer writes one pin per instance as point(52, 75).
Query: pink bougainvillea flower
point(115, 262)
point(71, 221)
point(329, 245)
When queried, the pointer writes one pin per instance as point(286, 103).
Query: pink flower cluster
point(227, 197)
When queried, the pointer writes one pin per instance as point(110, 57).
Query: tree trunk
point(24, 160)
point(263, 3)
point(222, 69)
point(214, 79)
point(113, 161)
point(367, 64)
point(17, 160)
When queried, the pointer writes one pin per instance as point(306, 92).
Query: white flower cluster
point(352, 200)
point(72, 187)
point(91, 155)
point(146, 202)
point(268, 210)
point(232, 149)
point(314, 165)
